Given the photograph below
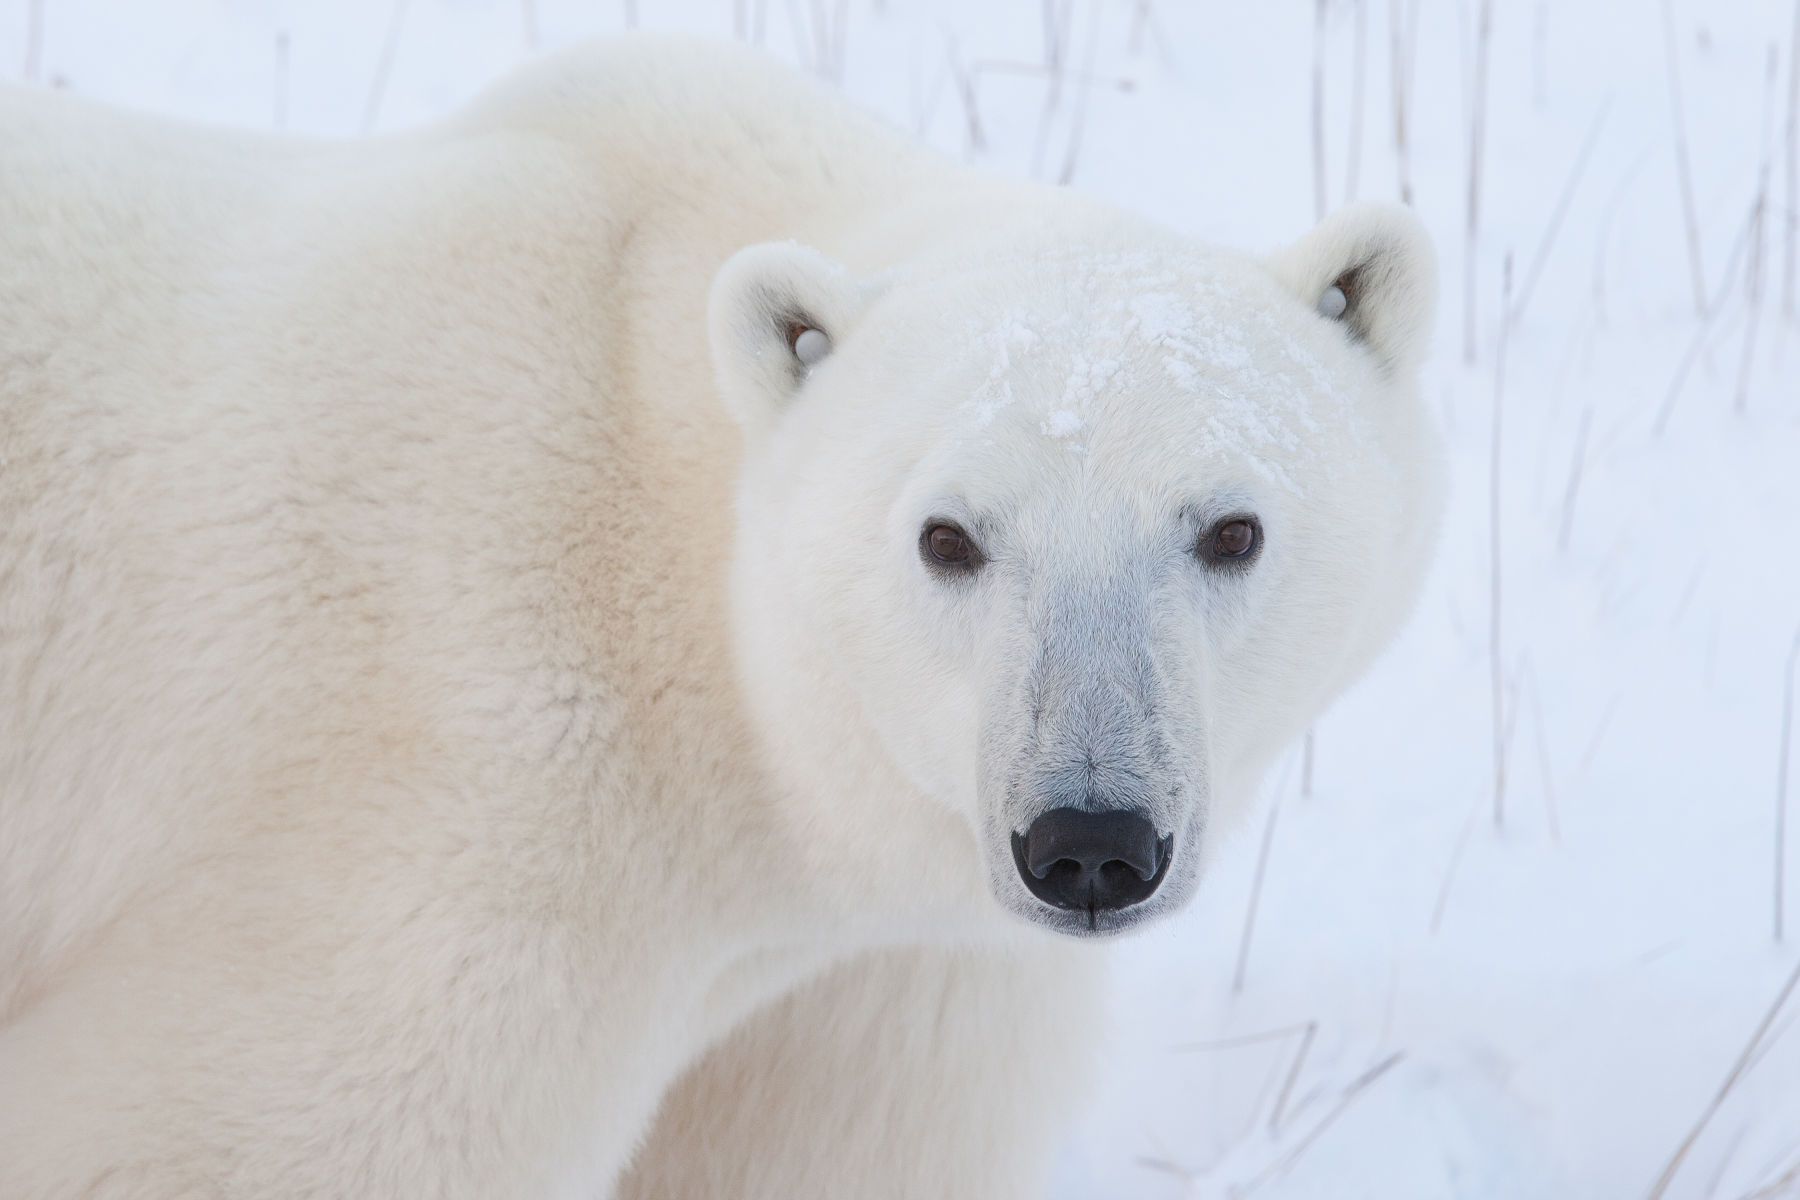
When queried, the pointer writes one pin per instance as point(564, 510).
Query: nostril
point(1121, 873)
point(1094, 861)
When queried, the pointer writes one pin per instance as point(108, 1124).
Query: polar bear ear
point(776, 313)
point(1371, 267)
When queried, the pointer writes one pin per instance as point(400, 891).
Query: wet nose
point(1092, 861)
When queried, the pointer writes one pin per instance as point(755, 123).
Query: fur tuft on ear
point(776, 312)
point(1379, 260)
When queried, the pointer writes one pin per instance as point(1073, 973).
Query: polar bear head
point(1068, 538)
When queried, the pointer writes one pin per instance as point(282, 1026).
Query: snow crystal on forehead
point(1011, 332)
point(1128, 323)
point(1062, 424)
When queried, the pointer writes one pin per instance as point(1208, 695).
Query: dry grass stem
point(1683, 165)
point(1789, 269)
point(384, 66)
point(1698, 344)
point(1661, 1187)
point(965, 90)
point(1293, 1077)
point(1783, 761)
point(1256, 886)
point(280, 113)
point(1318, 111)
point(1496, 667)
point(1456, 856)
point(1078, 126)
point(1566, 526)
point(1403, 29)
point(1484, 37)
point(1358, 70)
point(1345, 1099)
point(1759, 223)
point(34, 41)
point(1561, 210)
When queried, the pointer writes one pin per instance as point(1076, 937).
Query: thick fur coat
point(474, 720)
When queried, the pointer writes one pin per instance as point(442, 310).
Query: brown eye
point(948, 546)
point(1234, 538)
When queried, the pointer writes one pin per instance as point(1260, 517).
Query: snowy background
point(1403, 981)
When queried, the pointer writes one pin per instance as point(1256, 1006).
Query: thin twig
point(1078, 125)
point(1347, 1097)
point(925, 103)
point(1687, 592)
point(798, 28)
point(1484, 36)
point(1781, 785)
point(1576, 463)
point(1724, 1162)
point(34, 40)
point(1293, 1077)
point(1318, 110)
point(1759, 220)
point(1682, 164)
point(281, 80)
point(1607, 225)
point(1599, 735)
point(1059, 29)
point(1359, 68)
point(1546, 777)
point(1540, 45)
point(1700, 335)
point(390, 45)
point(819, 23)
point(1140, 23)
point(1307, 751)
point(1404, 30)
point(1456, 855)
point(1166, 1166)
point(1058, 18)
point(1243, 1039)
point(1776, 1186)
point(1737, 1071)
point(1256, 884)
point(1788, 283)
point(1561, 210)
point(965, 88)
point(1496, 669)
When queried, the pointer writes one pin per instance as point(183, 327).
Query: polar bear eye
point(946, 545)
point(808, 344)
point(1235, 539)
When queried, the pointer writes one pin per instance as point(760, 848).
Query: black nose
point(1092, 861)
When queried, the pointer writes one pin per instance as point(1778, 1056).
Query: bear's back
point(327, 462)
point(277, 423)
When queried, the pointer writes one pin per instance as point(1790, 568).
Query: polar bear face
point(1072, 540)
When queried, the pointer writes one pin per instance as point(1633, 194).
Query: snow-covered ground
point(1428, 1003)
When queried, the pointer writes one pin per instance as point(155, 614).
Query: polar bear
point(630, 643)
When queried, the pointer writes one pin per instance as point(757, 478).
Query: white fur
point(417, 773)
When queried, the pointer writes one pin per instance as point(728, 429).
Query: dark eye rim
point(1204, 550)
point(952, 566)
